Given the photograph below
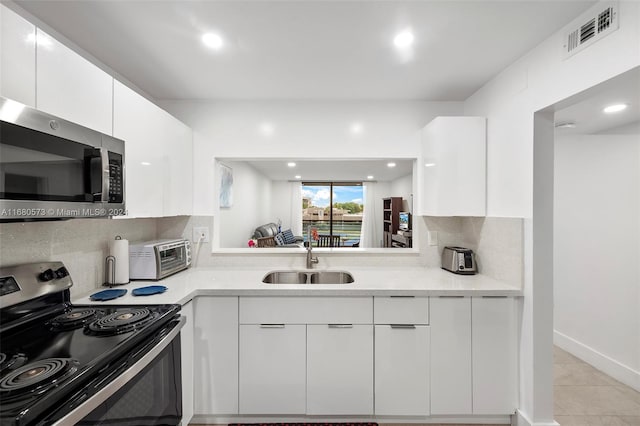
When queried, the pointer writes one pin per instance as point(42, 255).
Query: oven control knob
point(62, 272)
point(47, 275)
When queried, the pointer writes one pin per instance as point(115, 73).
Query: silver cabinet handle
point(494, 297)
point(403, 326)
point(340, 325)
point(451, 297)
point(271, 325)
point(408, 297)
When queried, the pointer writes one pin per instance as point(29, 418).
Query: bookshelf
point(390, 220)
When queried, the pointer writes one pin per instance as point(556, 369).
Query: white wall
point(403, 187)
point(540, 79)
point(597, 251)
point(282, 208)
point(251, 206)
point(537, 80)
point(301, 129)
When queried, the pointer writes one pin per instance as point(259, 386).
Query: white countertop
point(383, 281)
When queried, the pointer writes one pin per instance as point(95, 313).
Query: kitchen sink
point(330, 277)
point(308, 277)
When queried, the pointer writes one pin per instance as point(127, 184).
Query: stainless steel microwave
point(51, 168)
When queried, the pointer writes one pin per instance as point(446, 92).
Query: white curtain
point(370, 235)
point(296, 208)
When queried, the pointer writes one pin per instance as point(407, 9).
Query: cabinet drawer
point(306, 310)
point(401, 310)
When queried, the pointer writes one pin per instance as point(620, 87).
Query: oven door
point(147, 393)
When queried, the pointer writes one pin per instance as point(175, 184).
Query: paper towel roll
point(119, 249)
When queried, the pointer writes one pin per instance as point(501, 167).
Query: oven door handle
point(112, 387)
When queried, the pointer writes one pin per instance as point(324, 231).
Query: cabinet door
point(339, 369)
point(402, 370)
point(17, 58)
point(494, 355)
point(140, 124)
point(71, 87)
point(450, 355)
point(272, 369)
point(186, 346)
point(452, 167)
point(216, 355)
point(178, 176)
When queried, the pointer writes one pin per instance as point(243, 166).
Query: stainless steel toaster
point(459, 260)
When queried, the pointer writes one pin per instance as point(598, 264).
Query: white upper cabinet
point(71, 87)
point(452, 167)
point(158, 156)
point(141, 125)
point(178, 176)
point(17, 58)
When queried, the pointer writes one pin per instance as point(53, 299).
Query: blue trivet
point(108, 295)
point(148, 291)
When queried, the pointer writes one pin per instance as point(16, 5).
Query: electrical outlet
point(200, 233)
point(432, 238)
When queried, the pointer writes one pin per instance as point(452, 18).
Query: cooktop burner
point(121, 321)
point(75, 318)
point(7, 362)
point(37, 376)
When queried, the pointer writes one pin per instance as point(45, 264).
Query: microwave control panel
point(116, 181)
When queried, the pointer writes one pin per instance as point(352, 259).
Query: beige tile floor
point(584, 396)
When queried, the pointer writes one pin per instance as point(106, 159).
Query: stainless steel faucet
point(310, 259)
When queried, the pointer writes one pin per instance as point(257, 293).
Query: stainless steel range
point(62, 364)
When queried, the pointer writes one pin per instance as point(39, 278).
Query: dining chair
point(328, 241)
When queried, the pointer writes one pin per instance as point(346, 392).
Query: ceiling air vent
point(596, 23)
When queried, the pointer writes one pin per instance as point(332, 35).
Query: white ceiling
point(585, 110)
point(306, 49)
point(334, 169)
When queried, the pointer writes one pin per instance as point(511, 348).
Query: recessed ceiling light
point(356, 128)
point(615, 108)
point(565, 125)
point(391, 164)
point(291, 164)
point(298, 177)
point(369, 177)
point(212, 40)
point(429, 164)
point(145, 163)
point(403, 39)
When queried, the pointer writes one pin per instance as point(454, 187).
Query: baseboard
point(521, 419)
point(395, 420)
point(607, 365)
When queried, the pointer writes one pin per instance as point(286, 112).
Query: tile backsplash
point(497, 243)
point(81, 244)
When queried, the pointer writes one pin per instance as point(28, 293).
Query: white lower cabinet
point(186, 349)
point(272, 368)
point(402, 370)
point(340, 369)
point(494, 355)
point(450, 319)
point(216, 355)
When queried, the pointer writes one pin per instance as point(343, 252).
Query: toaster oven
point(155, 260)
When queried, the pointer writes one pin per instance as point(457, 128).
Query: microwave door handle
point(104, 161)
